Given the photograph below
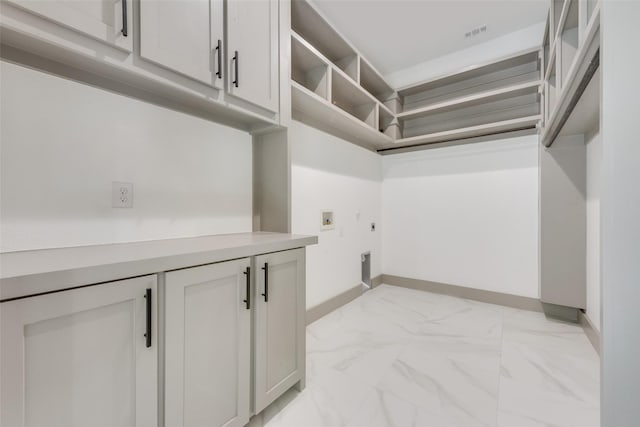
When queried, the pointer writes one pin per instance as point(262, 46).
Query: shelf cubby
point(352, 99)
point(308, 69)
point(321, 114)
point(324, 38)
point(387, 123)
point(373, 82)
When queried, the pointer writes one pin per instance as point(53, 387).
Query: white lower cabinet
point(234, 335)
point(82, 357)
point(279, 324)
point(208, 345)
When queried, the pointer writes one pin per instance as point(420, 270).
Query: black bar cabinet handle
point(247, 301)
point(266, 282)
point(235, 63)
point(124, 20)
point(147, 334)
point(219, 50)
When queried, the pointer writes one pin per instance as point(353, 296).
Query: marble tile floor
point(401, 357)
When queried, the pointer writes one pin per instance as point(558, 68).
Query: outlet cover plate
point(122, 194)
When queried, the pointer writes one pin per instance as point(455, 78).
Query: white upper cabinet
point(208, 345)
point(279, 324)
point(82, 357)
point(106, 20)
point(184, 36)
point(252, 51)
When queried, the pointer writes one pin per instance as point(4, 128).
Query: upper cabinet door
point(252, 43)
point(106, 20)
point(81, 357)
point(184, 36)
point(279, 324)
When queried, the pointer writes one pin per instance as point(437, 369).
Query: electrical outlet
point(121, 194)
point(373, 226)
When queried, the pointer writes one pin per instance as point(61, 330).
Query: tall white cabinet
point(279, 324)
point(208, 345)
point(82, 357)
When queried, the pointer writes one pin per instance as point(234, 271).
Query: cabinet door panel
point(279, 325)
point(183, 36)
point(84, 358)
point(207, 346)
point(100, 19)
point(252, 32)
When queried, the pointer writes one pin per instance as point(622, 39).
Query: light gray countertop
point(31, 272)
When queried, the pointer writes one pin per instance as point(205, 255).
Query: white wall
point(63, 143)
point(594, 182)
point(620, 211)
point(465, 215)
point(330, 173)
point(530, 37)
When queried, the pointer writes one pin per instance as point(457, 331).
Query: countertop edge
point(49, 281)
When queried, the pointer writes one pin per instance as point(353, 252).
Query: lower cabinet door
point(279, 324)
point(207, 345)
point(80, 358)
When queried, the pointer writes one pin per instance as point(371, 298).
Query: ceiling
point(397, 34)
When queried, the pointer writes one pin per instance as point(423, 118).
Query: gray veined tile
point(371, 314)
point(400, 357)
point(360, 354)
point(455, 380)
point(550, 356)
point(455, 317)
point(552, 368)
point(524, 406)
point(382, 409)
point(330, 399)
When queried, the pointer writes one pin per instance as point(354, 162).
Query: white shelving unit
point(494, 97)
point(333, 87)
point(572, 52)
